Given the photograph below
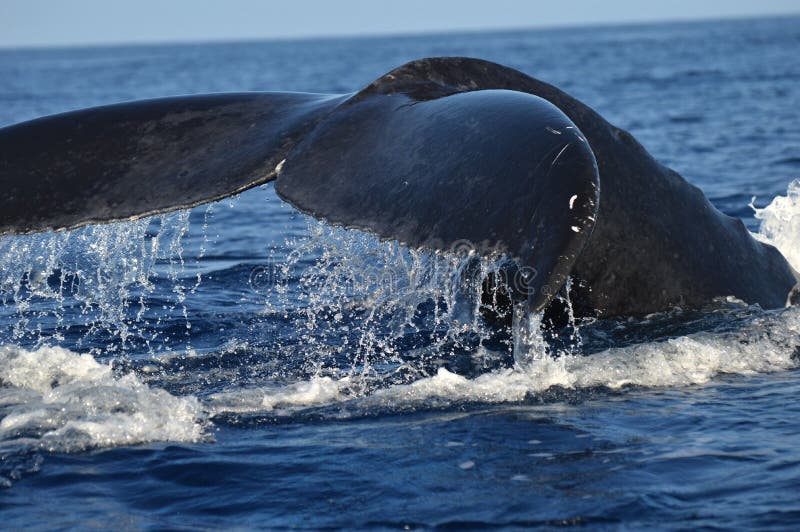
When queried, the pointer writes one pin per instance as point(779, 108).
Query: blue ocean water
point(242, 365)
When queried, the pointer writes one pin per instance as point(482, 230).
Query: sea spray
point(366, 300)
point(101, 276)
point(68, 402)
point(780, 223)
point(379, 325)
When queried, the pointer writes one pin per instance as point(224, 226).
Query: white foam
point(766, 345)
point(59, 400)
point(763, 346)
point(318, 390)
point(780, 223)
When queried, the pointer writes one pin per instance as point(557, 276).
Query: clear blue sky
point(60, 22)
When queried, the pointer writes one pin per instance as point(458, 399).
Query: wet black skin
point(441, 153)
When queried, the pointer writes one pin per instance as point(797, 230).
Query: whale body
point(440, 153)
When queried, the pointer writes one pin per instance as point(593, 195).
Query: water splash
point(91, 281)
point(373, 307)
point(374, 325)
point(764, 345)
point(780, 223)
point(529, 343)
point(53, 399)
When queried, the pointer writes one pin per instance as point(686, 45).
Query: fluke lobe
point(437, 153)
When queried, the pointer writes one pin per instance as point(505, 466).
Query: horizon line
point(399, 34)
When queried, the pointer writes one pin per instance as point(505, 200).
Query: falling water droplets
point(90, 282)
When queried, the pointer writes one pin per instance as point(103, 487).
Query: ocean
point(232, 365)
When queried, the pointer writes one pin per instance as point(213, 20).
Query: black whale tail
point(407, 158)
point(441, 153)
point(128, 160)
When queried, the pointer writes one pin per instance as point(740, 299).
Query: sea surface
point(242, 365)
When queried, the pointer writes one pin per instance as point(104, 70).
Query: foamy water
point(766, 345)
point(60, 400)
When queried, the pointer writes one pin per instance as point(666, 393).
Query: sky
point(26, 23)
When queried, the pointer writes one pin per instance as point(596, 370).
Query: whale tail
point(128, 160)
point(444, 164)
point(441, 153)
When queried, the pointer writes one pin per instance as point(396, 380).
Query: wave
point(54, 399)
point(767, 344)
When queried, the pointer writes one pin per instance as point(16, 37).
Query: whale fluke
point(128, 160)
point(443, 153)
point(494, 171)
